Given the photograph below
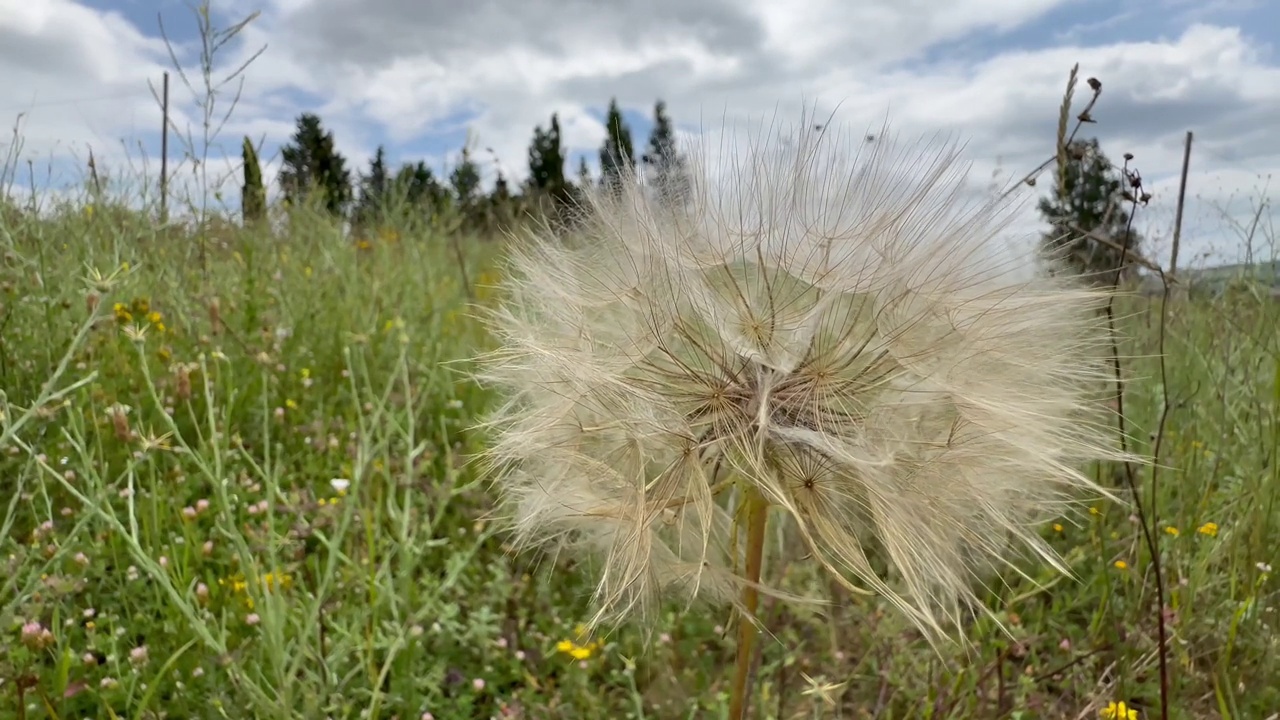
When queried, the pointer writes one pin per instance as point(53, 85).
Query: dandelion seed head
point(828, 322)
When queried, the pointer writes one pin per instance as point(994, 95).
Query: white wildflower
point(825, 324)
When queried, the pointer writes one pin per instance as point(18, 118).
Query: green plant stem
point(757, 515)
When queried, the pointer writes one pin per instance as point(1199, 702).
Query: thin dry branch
point(1130, 253)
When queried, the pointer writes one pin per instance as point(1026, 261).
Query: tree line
point(1088, 200)
point(314, 172)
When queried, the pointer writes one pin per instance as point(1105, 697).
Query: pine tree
point(1088, 198)
point(670, 171)
point(253, 195)
point(502, 205)
point(465, 180)
point(375, 185)
point(312, 164)
point(546, 164)
point(617, 155)
point(416, 186)
point(501, 194)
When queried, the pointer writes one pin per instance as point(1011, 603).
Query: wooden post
point(1182, 198)
point(164, 152)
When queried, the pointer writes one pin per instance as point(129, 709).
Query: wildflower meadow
point(240, 481)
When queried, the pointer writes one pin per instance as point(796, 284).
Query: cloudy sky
point(421, 76)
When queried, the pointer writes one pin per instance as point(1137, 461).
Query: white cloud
point(392, 70)
point(61, 93)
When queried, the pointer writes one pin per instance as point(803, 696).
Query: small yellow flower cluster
point(277, 581)
point(1209, 529)
point(273, 582)
point(575, 650)
point(1118, 711)
point(138, 307)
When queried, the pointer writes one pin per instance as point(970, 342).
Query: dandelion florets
point(832, 327)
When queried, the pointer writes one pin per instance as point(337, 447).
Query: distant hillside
point(1267, 273)
point(1214, 279)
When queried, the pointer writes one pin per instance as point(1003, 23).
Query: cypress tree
point(253, 195)
point(670, 170)
point(617, 155)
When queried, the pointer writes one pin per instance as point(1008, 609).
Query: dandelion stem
point(757, 513)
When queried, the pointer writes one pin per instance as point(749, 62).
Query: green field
point(235, 485)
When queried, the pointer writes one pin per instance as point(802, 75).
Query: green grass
point(175, 544)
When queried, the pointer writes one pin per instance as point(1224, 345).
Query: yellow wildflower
point(122, 313)
point(1121, 565)
point(237, 583)
point(581, 653)
point(1210, 529)
point(1057, 527)
point(277, 581)
point(1171, 530)
point(1119, 711)
point(576, 651)
point(272, 581)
